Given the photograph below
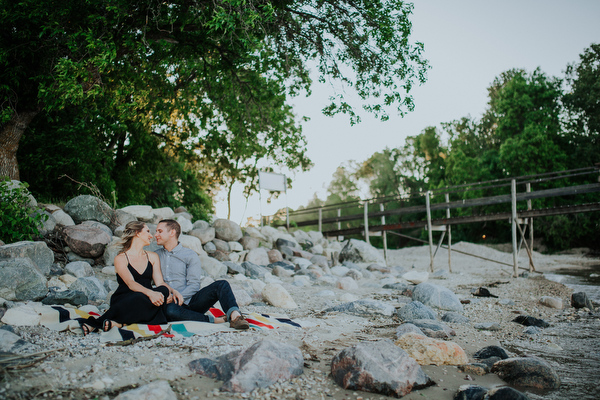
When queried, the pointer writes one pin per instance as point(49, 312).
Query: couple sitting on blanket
point(176, 273)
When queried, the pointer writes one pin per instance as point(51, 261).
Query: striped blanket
point(60, 318)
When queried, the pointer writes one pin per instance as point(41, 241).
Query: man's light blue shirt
point(181, 270)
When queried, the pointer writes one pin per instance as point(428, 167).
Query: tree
point(184, 72)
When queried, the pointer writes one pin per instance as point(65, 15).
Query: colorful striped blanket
point(60, 318)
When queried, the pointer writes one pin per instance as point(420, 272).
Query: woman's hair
point(131, 229)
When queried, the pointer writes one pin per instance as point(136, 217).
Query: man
point(182, 271)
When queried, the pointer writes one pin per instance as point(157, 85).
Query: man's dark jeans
point(203, 300)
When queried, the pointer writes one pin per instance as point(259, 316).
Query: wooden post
point(320, 220)
point(384, 233)
point(449, 230)
point(339, 212)
point(529, 207)
point(366, 218)
point(513, 193)
point(429, 230)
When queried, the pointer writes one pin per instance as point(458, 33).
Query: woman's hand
point(156, 298)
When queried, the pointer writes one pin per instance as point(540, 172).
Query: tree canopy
point(180, 86)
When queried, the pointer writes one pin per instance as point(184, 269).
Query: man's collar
point(175, 249)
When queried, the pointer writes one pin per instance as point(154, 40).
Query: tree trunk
point(10, 136)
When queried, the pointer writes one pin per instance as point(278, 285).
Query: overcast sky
point(468, 44)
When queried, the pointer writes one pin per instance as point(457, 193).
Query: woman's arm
point(158, 279)
point(121, 268)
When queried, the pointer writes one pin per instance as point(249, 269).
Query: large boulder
point(359, 251)
point(142, 213)
point(86, 241)
point(213, 268)
point(529, 372)
point(91, 287)
point(62, 218)
point(428, 351)
point(21, 280)
point(416, 310)
point(437, 296)
point(249, 242)
point(378, 367)
point(204, 234)
point(79, 269)
point(193, 243)
point(38, 252)
point(86, 207)
point(111, 251)
point(276, 295)
point(258, 256)
point(365, 307)
point(185, 224)
point(227, 230)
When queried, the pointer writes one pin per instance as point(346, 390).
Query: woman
point(135, 300)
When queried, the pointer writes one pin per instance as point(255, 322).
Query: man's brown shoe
point(239, 323)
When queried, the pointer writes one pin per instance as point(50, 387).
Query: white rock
point(269, 278)
point(257, 285)
point(325, 293)
point(315, 236)
point(254, 232)
point(302, 280)
point(235, 257)
point(67, 279)
point(157, 390)
point(339, 270)
point(163, 213)
point(242, 297)
point(23, 315)
point(317, 249)
point(192, 242)
point(348, 297)
point(552, 302)
point(109, 271)
point(143, 213)
point(235, 246)
point(57, 283)
point(416, 277)
point(276, 295)
point(186, 225)
point(347, 283)
point(258, 256)
point(213, 267)
point(63, 218)
point(302, 263)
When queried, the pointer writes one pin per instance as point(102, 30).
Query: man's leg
point(207, 297)
point(176, 312)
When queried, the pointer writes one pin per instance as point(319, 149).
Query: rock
point(220, 255)
point(254, 271)
point(74, 297)
point(157, 390)
point(249, 242)
point(355, 274)
point(378, 268)
point(399, 286)
point(24, 315)
point(505, 393)
point(86, 241)
point(319, 260)
point(121, 219)
point(281, 242)
point(69, 279)
point(276, 295)
point(416, 310)
point(474, 368)
point(99, 225)
point(163, 213)
point(470, 392)
point(227, 230)
point(260, 365)
point(21, 280)
point(86, 208)
point(205, 235)
point(491, 351)
point(304, 254)
point(79, 269)
point(552, 302)
point(221, 245)
point(48, 224)
point(339, 270)
point(287, 252)
point(235, 246)
point(255, 233)
point(91, 287)
point(407, 327)
point(416, 277)
point(378, 367)
point(506, 302)
point(142, 213)
point(212, 267)
point(111, 251)
point(437, 296)
point(210, 247)
point(488, 326)
point(316, 249)
point(581, 300)
point(274, 256)
point(532, 330)
point(433, 328)
point(440, 274)
point(13, 343)
point(360, 252)
point(482, 292)
point(185, 223)
point(530, 321)
point(192, 243)
point(365, 307)
point(455, 318)
point(258, 256)
point(281, 272)
point(346, 283)
point(201, 225)
point(38, 252)
point(428, 351)
point(234, 268)
point(529, 372)
point(62, 218)
point(301, 236)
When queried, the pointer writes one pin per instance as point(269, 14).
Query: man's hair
point(172, 224)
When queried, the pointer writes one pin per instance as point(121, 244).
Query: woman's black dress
point(129, 307)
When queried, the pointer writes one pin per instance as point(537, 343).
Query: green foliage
point(18, 220)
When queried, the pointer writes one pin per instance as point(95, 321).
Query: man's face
point(162, 234)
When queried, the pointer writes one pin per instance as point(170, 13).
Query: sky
point(468, 44)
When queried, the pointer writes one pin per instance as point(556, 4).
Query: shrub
point(18, 220)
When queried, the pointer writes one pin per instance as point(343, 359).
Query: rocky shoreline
point(350, 302)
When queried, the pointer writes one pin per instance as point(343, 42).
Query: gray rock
point(406, 328)
point(284, 242)
point(121, 218)
point(111, 251)
point(399, 286)
point(274, 256)
point(364, 307)
point(506, 302)
point(488, 326)
point(490, 351)
point(204, 234)
point(221, 245)
point(200, 225)
point(210, 247)
point(440, 274)
point(286, 252)
point(259, 366)
point(48, 223)
point(455, 318)
point(532, 330)
point(13, 343)
point(234, 268)
point(38, 252)
point(258, 256)
point(528, 320)
point(212, 267)
point(85, 208)
point(378, 367)
point(74, 297)
point(581, 300)
point(96, 224)
point(432, 328)
point(505, 393)
point(249, 242)
point(531, 372)
point(227, 230)
point(416, 310)
point(437, 296)
point(254, 271)
point(359, 251)
point(157, 390)
point(79, 269)
point(21, 280)
point(86, 241)
point(62, 218)
point(321, 261)
point(470, 392)
point(282, 264)
point(91, 287)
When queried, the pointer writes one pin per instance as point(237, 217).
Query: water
point(572, 347)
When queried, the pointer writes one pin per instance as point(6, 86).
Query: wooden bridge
point(520, 219)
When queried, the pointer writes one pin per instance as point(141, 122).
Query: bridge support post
point(429, 230)
point(366, 218)
point(449, 230)
point(513, 194)
point(320, 219)
point(383, 233)
point(530, 223)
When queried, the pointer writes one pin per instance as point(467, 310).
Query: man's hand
point(170, 298)
point(177, 298)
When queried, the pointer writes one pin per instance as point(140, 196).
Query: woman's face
point(145, 235)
